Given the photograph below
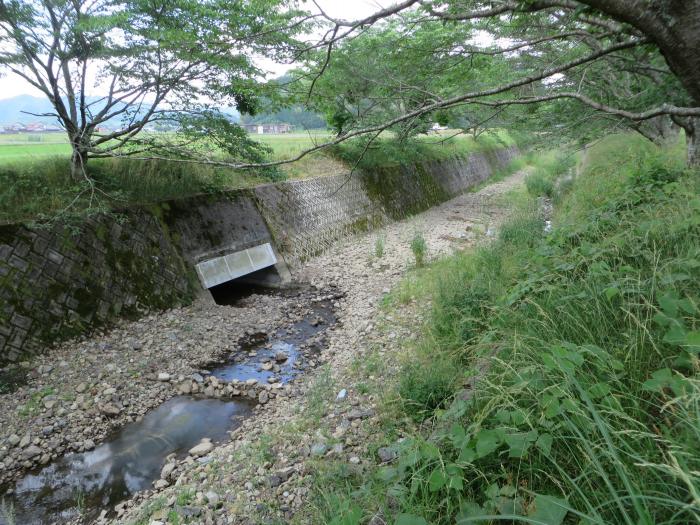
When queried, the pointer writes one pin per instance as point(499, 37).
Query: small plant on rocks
point(419, 248)
point(379, 247)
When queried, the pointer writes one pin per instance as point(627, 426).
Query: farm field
point(29, 146)
point(20, 147)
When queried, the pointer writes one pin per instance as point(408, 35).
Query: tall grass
point(386, 150)
point(547, 178)
point(557, 379)
point(43, 188)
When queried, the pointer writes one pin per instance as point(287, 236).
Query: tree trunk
point(673, 25)
point(692, 141)
point(78, 161)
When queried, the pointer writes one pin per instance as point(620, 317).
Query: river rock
point(281, 356)
point(109, 409)
point(26, 439)
point(185, 387)
point(387, 454)
point(358, 413)
point(13, 440)
point(263, 397)
point(318, 449)
point(212, 498)
point(163, 376)
point(167, 470)
point(160, 484)
point(202, 449)
point(31, 451)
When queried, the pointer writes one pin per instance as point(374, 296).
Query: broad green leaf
point(611, 292)
point(519, 443)
point(518, 416)
point(544, 443)
point(387, 473)
point(693, 338)
point(409, 519)
point(437, 479)
point(658, 380)
point(549, 510)
point(429, 450)
point(487, 441)
point(676, 335)
point(458, 434)
point(469, 510)
point(456, 483)
point(669, 305)
point(467, 454)
point(599, 390)
point(552, 407)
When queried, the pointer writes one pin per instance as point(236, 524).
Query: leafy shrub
point(523, 230)
point(548, 169)
point(538, 184)
point(44, 188)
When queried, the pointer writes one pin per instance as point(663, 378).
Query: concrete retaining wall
point(60, 281)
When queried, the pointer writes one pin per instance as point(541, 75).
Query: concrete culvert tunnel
point(237, 275)
point(263, 281)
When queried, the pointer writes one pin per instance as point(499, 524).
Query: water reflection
point(128, 463)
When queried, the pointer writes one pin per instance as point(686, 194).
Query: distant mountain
point(297, 116)
point(12, 110)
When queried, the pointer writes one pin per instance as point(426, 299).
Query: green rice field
point(31, 146)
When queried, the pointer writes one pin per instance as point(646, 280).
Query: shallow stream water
point(129, 462)
point(132, 459)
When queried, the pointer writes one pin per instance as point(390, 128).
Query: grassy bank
point(37, 185)
point(556, 377)
point(385, 151)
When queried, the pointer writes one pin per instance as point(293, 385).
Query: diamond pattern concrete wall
point(306, 217)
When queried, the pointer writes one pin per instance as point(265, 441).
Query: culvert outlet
point(257, 266)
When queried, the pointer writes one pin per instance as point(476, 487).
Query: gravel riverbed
point(81, 391)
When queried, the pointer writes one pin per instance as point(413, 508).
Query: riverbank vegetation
point(42, 187)
point(555, 379)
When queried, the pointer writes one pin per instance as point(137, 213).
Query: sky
point(12, 85)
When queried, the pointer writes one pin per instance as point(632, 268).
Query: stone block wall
point(61, 281)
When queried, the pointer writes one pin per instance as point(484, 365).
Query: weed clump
point(419, 248)
point(548, 173)
point(426, 386)
point(379, 243)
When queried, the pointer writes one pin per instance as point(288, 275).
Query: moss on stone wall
point(402, 190)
